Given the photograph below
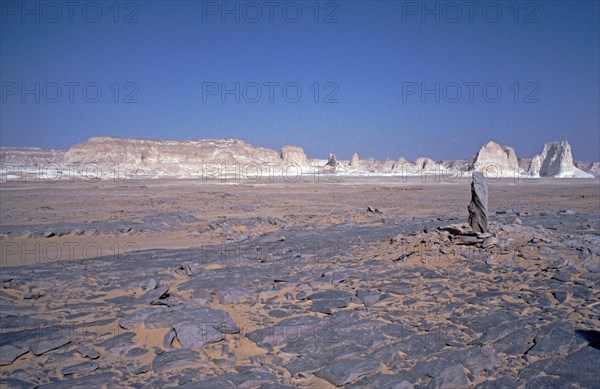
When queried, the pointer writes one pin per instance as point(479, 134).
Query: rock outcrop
point(556, 160)
point(497, 160)
point(399, 163)
point(294, 155)
point(331, 160)
point(162, 152)
point(592, 168)
point(354, 161)
point(426, 164)
point(29, 156)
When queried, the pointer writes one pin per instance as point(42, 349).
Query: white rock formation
point(354, 161)
point(556, 160)
point(210, 157)
point(294, 155)
point(331, 160)
point(29, 156)
point(399, 163)
point(426, 164)
point(498, 160)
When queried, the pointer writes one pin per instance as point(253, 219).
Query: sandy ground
point(226, 214)
point(344, 200)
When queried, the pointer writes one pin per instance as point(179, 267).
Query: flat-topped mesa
point(167, 154)
point(478, 212)
point(556, 160)
point(496, 160)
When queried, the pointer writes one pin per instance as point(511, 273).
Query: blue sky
point(161, 68)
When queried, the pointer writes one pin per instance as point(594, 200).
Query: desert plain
point(357, 282)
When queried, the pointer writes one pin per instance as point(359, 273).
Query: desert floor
point(160, 283)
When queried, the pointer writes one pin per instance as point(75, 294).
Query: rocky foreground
point(364, 297)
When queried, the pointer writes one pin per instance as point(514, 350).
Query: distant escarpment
point(217, 158)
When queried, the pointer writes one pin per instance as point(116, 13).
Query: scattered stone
point(560, 296)
point(85, 367)
point(133, 320)
point(196, 335)
point(562, 276)
point(593, 266)
point(232, 296)
point(176, 359)
point(344, 371)
point(155, 297)
point(150, 284)
point(489, 242)
point(32, 295)
point(141, 370)
point(87, 352)
point(369, 298)
point(43, 346)
point(168, 339)
point(15, 383)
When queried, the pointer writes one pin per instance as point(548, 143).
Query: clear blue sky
point(374, 56)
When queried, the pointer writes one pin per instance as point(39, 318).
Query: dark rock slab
point(581, 367)
point(118, 343)
point(345, 371)
point(86, 381)
point(138, 317)
point(176, 359)
point(15, 383)
point(217, 318)
point(85, 367)
point(87, 352)
point(553, 338)
point(232, 296)
point(398, 288)
point(141, 370)
point(369, 298)
point(43, 346)
point(451, 378)
point(392, 381)
point(9, 354)
point(516, 342)
point(480, 359)
point(135, 353)
point(287, 330)
point(501, 383)
point(194, 336)
point(421, 345)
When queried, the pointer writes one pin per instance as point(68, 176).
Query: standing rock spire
point(478, 217)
